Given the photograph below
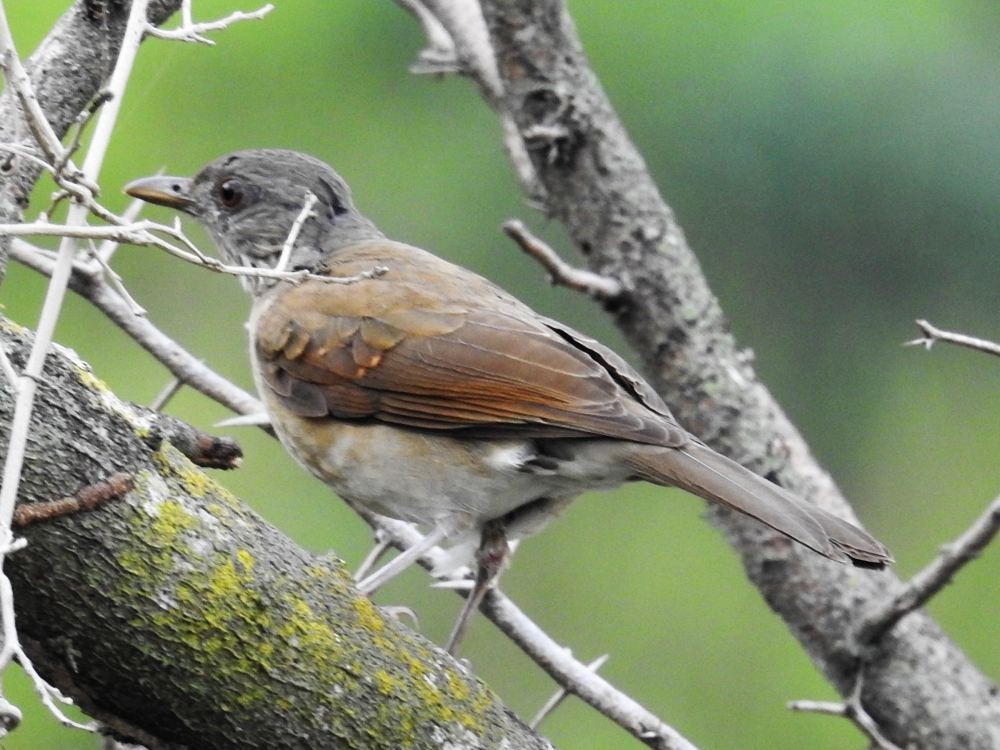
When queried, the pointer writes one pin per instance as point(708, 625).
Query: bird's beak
point(172, 192)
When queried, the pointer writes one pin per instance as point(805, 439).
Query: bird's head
point(250, 200)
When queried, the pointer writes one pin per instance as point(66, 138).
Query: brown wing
point(432, 346)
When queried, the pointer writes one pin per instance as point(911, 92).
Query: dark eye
point(231, 193)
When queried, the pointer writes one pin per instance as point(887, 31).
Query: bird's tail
point(698, 469)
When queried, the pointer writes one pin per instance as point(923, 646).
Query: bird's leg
point(403, 560)
point(491, 557)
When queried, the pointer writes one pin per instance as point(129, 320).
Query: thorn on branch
point(88, 498)
point(560, 695)
point(189, 31)
point(932, 334)
point(599, 287)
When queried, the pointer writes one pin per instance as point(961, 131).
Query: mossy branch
point(178, 617)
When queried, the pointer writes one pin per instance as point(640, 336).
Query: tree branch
point(193, 622)
point(925, 584)
point(932, 334)
point(598, 186)
point(599, 287)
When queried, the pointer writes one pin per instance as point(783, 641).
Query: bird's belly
point(416, 476)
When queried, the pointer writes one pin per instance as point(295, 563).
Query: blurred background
point(835, 168)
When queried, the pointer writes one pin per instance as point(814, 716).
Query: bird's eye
point(231, 193)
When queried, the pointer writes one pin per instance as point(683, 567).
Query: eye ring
point(231, 193)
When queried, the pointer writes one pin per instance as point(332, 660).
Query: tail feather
point(699, 470)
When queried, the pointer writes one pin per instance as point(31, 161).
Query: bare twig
point(115, 281)
point(378, 549)
point(556, 660)
point(851, 709)
point(142, 233)
point(17, 78)
point(560, 695)
point(90, 497)
point(172, 355)
point(108, 247)
point(926, 583)
point(166, 393)
point(439, 56)
point(82, 120)
point(26, 153)
point(931, 335)
point(55, 293)
point(293, 233)
point(463, 22)
point(458, 41)
point(560, 272)
point(189, 31)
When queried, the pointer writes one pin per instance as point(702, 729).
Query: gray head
point(249, 200)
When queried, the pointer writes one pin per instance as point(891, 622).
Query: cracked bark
point(180, 618)
point(919, 686)
point(176, 615)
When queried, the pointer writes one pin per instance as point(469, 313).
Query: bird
point(419, 390)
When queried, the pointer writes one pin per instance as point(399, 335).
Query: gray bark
point(180, 618)
point(175, 615)
point(67, 70)
point(917, 684)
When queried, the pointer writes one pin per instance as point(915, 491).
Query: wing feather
point(468, 358)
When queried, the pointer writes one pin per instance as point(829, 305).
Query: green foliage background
point(835, 167)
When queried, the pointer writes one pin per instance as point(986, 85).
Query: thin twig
point(464, 23)
point(926, 583)
point(85, 183)
point(108, 247)
point(189, 31)
point(439, 56)
point(142, 233)
point(374, 555)
point(555, 659)
point(82, 120)
point(933, 335)
point(18, 79)
point(164, 349)
point(26, 153)
point(89, 497)
point(560, 272)
point(293, 233)
point(166, 393)
point(560, 695)
point(851, 709)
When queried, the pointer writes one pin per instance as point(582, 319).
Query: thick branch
point(178, 617)
point(919, 687)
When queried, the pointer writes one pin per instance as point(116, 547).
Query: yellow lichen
point(384, 682)
point(369, 617)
